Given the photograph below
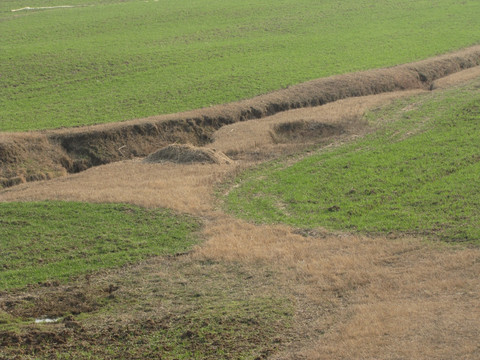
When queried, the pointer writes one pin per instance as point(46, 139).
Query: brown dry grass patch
point(188, 187)
point(181, 187)
point(365, 298)
point(258, 140)
point(456, 78)
point(187, 154)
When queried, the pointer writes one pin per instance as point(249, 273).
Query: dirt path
point(356, 297)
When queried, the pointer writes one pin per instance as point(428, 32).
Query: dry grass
point(185, 188)
point(252, 140)
point(28, 157)
point(369, 298)
point(187, 154)
point(356, 297)
point(188, 187)
point(422, 306)
point(456, 78)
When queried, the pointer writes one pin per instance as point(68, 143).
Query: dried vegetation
point(187, 154)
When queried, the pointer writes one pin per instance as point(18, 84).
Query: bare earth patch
point(354, 297)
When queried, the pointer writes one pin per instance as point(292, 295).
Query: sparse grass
point(59, 240)
point(224, 329)
point(107, 61)
point(417, 174)
point(177, 309)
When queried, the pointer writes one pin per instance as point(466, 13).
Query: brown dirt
point(34, 338)
point(81, 148)
point(187, 154)
point(355, 297)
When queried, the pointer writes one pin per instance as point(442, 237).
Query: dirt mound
point(187, 154)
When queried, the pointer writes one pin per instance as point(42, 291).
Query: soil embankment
point(47, 154)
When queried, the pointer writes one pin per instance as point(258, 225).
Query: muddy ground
point(354, 297)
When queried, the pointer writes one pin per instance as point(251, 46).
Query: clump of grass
point(417, 174)
point(44, 241)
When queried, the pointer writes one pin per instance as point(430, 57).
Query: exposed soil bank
point(46, 154)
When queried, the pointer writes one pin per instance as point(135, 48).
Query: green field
point(418, 174)
point(44, 241)
point(110, 60)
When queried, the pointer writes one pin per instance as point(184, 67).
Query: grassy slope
point(117, 60)
point(57, 240)
point(418, 173)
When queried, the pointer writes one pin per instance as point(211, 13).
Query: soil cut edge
point(50, 153)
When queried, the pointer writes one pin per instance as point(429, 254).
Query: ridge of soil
point(52, 153)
